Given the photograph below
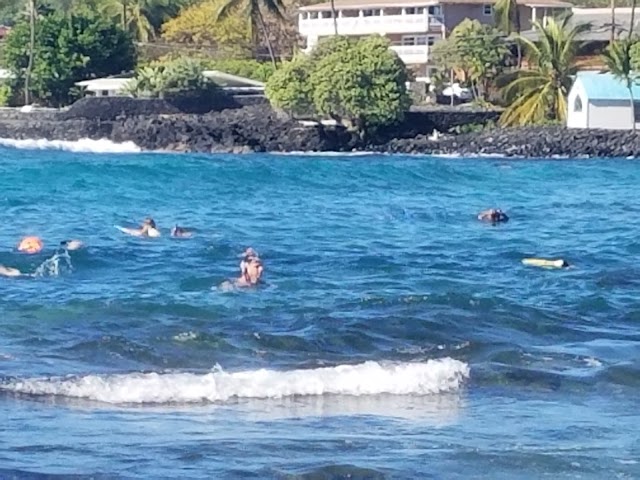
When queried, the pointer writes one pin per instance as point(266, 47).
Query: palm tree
point(540, 93)
point(507, 16)
point(137, 16)
point(633, 18)
point(33, 14)
point(617, 58)
point(334, 14)
point(613, 22)
point(252, 9)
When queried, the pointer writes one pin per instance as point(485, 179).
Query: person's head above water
point(30, 245)
point(149, 222)
point(493, 215)
point(252, 269)
point(181, 232)
point(71, 245)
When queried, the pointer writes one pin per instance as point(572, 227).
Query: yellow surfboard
point(544, 263)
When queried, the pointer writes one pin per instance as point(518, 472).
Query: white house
point(412, 26)
point(599, 100)
point(114, 86)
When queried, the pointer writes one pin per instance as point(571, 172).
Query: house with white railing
point(412, 26)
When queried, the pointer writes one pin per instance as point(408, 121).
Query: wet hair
point(150, 221)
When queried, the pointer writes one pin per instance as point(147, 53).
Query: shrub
point(360, 83)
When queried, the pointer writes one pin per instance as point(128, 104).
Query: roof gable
point(604, 86)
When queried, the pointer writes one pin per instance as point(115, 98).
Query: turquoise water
point(394, 337)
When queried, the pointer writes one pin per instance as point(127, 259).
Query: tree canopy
point(477, 53)
point(360, 83)
point(67, 50)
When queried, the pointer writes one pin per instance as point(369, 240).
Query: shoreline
point(260, 129)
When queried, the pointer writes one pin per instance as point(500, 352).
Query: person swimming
point(493, 215)
point(246, 256)
point(147, 229)
point(251, 273)
point(10, 272)
point(71, 245)
point(181, 232)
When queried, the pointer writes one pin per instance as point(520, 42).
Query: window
point(431, 41)
point(104, 93)
point(636, 111)
point(410, 40)
point(435, 10)
point(326, 15)
point(410, 11)
point(487, 9)
point(577, 105)
point(371, 13)
point(313, 15)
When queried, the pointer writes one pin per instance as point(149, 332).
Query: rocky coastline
point(257, 128)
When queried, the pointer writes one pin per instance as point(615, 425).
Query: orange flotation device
point(30, 245)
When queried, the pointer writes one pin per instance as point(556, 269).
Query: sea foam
point(369, 378)
point(84, 145)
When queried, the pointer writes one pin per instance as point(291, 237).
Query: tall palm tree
point(252, 9)
point(617, 58)
point(507, 17)
point(33, 15)
point(613, 22)
point(137, 16)
point(633, 18)
point(334, 14)
point(540, 93)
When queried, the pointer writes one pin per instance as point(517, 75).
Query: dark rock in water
point(258, 128)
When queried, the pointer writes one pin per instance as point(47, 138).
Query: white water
point(370, 378)
point(84, 145)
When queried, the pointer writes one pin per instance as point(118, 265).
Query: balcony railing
point(361, 25)
point(412, 54)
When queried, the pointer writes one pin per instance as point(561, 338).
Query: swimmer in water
point(147, 229)
point(71, 245)
point(181, 232)
point(493, 215)
point(252, 269)
point(247, 255)
point(10, 272)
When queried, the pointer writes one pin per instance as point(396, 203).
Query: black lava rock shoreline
point(260, 129)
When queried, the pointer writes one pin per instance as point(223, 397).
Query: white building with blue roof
point(600, 100)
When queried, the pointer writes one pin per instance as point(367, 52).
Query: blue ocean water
point(394, 337)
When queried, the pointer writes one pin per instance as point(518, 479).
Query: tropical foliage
point(539, 93)
point(618, 59)
point(360, 83)
point(66, 51)
point(198, 25)
point(175, 77)
point(507, 16)
point(477, 54)
point(252, 12)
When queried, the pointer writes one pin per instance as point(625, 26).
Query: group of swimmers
point(251, 266)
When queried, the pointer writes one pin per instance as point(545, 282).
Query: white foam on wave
point(369, 378)
point(84, 145)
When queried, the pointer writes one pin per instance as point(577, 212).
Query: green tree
point(540, 93)
point(507, 16)
point(197, 25)
point(618, 59)
point(251, 10)
point(65, 53)
point(289, 88)
point(141, 18)
point(360, 83)
point(476, 52)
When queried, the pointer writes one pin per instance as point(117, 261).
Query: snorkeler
point(252, 269)
point(493, 215)
point(181, 232)
point(147, 229)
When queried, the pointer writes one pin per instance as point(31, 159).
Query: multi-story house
point(412, 26)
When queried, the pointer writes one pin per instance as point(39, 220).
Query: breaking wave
point(369, 378)
point(84, 145)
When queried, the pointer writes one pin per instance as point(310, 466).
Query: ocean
point(394, 336)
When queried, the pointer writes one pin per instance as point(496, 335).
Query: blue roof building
point(600, 100)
